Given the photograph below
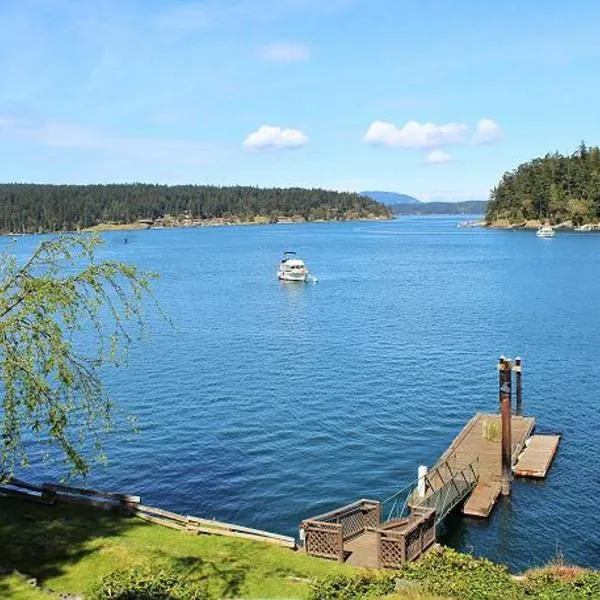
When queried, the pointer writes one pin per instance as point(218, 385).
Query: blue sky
point(435, 98)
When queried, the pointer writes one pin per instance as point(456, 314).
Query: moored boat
point(292, 268)
point(545, 232)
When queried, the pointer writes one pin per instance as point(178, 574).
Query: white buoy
point(421, 483)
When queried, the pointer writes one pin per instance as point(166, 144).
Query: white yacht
point(292, 268)
point(545, 232)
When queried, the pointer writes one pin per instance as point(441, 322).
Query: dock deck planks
point(537, 456)
point(481, 502)
point(363, 550)
point(470, 444)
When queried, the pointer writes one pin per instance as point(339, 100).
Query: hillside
point(390, 198)
point(39, 207)
point(555, 188)
point(468, 207)
point(72, 551)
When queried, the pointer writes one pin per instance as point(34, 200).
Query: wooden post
point(500, 378)
point(378, 513)
point(506, 416)
point(518, 373)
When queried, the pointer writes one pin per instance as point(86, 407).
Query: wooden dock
point(483, 499)
point(473, 472)
point(481, 438)
point(537, 456)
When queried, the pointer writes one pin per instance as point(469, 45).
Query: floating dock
point(482, 500)
point(537, 456)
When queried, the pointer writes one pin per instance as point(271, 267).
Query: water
point(268, 403)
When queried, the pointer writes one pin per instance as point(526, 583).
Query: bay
point(265, 403)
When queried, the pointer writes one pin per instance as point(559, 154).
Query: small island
point(563, 191)
point(40, 208)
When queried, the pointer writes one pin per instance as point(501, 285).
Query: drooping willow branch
point(50, 386)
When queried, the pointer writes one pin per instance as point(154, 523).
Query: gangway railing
point(444, 488)
point(447, 496)
point(401, 528)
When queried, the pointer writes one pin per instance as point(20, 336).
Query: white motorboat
point(545, 232)
point(292, 268)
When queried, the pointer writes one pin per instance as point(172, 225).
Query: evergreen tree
point(554, 188)
point(32, 208)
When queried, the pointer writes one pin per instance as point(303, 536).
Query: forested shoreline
point(35, 208)
point(554, 188)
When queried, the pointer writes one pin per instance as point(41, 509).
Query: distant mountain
point(391, 198)
point(468, 207)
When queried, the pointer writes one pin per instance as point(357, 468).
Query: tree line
point(554, 188)
point(34, 208)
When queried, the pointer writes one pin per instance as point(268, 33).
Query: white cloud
point(486, 132)
point(285, 52)
point(275, 138)
point(416, 135)
point(438, 157)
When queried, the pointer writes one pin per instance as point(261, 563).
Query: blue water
point(266, 403)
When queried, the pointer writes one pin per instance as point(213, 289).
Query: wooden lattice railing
point(398, 541)
point(404, 540)
point(323, 539)
point(324, 535)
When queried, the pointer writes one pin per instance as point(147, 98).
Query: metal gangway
point(442, 489)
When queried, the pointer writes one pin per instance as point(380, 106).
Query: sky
point(433, 98)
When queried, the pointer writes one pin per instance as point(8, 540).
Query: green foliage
point(33, 208)
point(450, 573)
point(148, 583)
point(554, 188)
point(549, 585)
point(492, 430)
point(51, 388)
point(352, 586)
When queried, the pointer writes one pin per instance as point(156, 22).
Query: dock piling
point(500, 377)
point(518, 374)
point(506, 417)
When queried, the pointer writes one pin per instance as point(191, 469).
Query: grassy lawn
point(15, 587)
point(68, 548)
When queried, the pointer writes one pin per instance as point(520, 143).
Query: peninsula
point(561, 190)
point(37, 208)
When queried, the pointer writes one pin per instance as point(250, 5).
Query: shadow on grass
point(227, 577)
point(43, 541)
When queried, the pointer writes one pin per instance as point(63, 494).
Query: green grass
point(69, 548)
point(13, 586)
